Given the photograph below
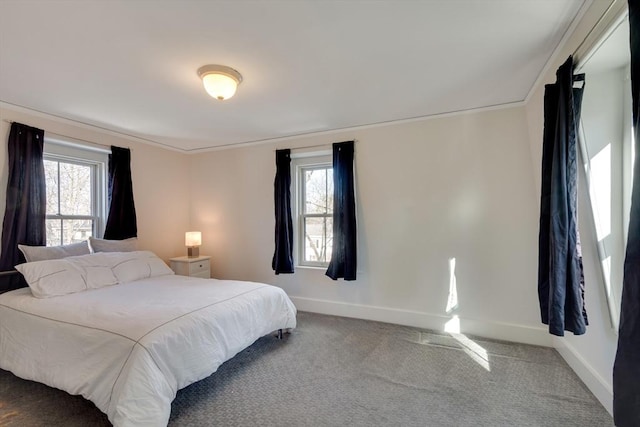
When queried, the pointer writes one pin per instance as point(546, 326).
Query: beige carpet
point(334, 371)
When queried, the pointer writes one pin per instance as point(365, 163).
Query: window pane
point(330, 190)
point(51, 183)
point(318, 190)
point(75, 189)
point(54, 232)
point(75, 230)
point(329, 240)
point(318, 239)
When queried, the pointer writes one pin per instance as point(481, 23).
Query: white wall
point(427, 191)
point(160, 180)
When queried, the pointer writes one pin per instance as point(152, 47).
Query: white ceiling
point(308, 65)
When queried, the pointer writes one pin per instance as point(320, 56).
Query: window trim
point(299, 163)
point(610, 249)
point(69, 152)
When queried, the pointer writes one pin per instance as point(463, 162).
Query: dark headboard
point(10, 280)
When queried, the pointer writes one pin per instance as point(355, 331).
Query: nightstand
point(194, 267)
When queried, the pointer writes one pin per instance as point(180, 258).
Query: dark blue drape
point(560, 277)
point(626, 369)
point(283, 255)
point(121, 222)
point(344, 254)
point(24, 217)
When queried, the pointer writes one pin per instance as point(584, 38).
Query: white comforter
point(130, 347)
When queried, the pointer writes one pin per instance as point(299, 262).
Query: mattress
point(130, 347)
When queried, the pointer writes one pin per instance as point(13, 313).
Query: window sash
point(93, 167)
point(301, 166)
point(325, 242)
point(328, 169)
point(64, 238)
point(79, 217)
point(62, 152)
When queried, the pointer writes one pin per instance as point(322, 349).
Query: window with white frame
point(76, 192)
point(313, 210)
point(606, 143)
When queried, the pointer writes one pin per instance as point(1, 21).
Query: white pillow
point(42, 253)
point(102, 245)
point(57, 277)
point(96, 269)
point(52, 278)
point(139, 265)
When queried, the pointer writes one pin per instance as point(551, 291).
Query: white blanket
point(130, 347)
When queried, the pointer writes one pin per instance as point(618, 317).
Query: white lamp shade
point(192, 238)
point(219, 86)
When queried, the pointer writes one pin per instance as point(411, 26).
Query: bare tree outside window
point(318, 214)
point(70, 217)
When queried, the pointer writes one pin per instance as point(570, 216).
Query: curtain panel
point(283, 254)
point(121, 222)
point(344, 254)
point(24, 217)
point(560, 275)
point(626, 369)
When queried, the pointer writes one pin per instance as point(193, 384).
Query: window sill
point(313, 267)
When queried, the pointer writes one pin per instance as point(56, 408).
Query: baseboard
point(602, 390)
point(481, 328)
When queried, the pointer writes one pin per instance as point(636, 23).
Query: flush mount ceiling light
point(219, 81)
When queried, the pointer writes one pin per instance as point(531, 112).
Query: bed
point(130, 346)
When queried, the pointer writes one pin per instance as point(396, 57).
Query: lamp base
point(193, 251)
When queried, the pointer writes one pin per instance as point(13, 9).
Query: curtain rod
point(70, 139)
point(327, 146)
point(8, 273)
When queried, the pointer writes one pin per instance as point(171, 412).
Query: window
point(314, 210)
point(75, 187)
point(606, 143)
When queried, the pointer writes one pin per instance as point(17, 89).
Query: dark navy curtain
point(24, 216)
point(344, 254)
point(283, 254)
point(560, 276)
point(121, 222)
point(626, 369)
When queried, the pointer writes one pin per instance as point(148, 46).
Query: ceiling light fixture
point(219, 81)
